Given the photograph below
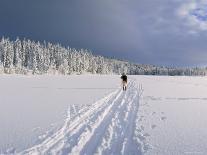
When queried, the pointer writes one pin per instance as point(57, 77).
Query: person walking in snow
point(124, 81)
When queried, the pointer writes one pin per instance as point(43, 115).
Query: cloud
point(150, 31)
point(194, 14)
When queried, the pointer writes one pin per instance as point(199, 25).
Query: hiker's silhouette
point(124, 81)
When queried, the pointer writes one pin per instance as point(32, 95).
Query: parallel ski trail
point(69, 125)
point(88, 126)
point(94, 141)
point(105, 127)
point(120, 133)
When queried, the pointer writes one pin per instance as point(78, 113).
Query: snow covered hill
point(156, 115)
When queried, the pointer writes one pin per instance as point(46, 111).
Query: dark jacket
point(124, 78)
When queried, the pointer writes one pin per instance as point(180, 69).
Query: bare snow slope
point(156, 115)
point(105, 127)
point(33, 107)
point(173, 115)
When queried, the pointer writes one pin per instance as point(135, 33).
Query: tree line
point(30, 57)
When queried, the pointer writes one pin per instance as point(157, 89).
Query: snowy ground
point(172, 115)
point(32, 108)
point(91, 115)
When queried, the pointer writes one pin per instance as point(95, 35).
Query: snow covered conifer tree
point(29, 56)
point(8, 54)
point(17, 62)
point(1, 56)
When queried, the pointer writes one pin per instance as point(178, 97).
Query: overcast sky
point(161, 32)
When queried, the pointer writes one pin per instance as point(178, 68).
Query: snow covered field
point(90, 114)
point(172, 115)
point(32, 107)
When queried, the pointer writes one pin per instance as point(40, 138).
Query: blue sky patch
point(200, 13)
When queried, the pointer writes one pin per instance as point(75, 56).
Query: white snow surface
point(90, 114)
point(33, 107)
point(172, 115)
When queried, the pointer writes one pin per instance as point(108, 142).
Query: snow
point(172, 115)
point(90, 114)
point(32, 107)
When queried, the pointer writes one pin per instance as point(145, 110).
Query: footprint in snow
point(141, 118)
point(163, 118)
point(146, 135)
point(153, 113)
point(142, 137)
point(142, 128)
point(153, 126)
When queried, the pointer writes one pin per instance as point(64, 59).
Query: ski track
point(106, 127)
